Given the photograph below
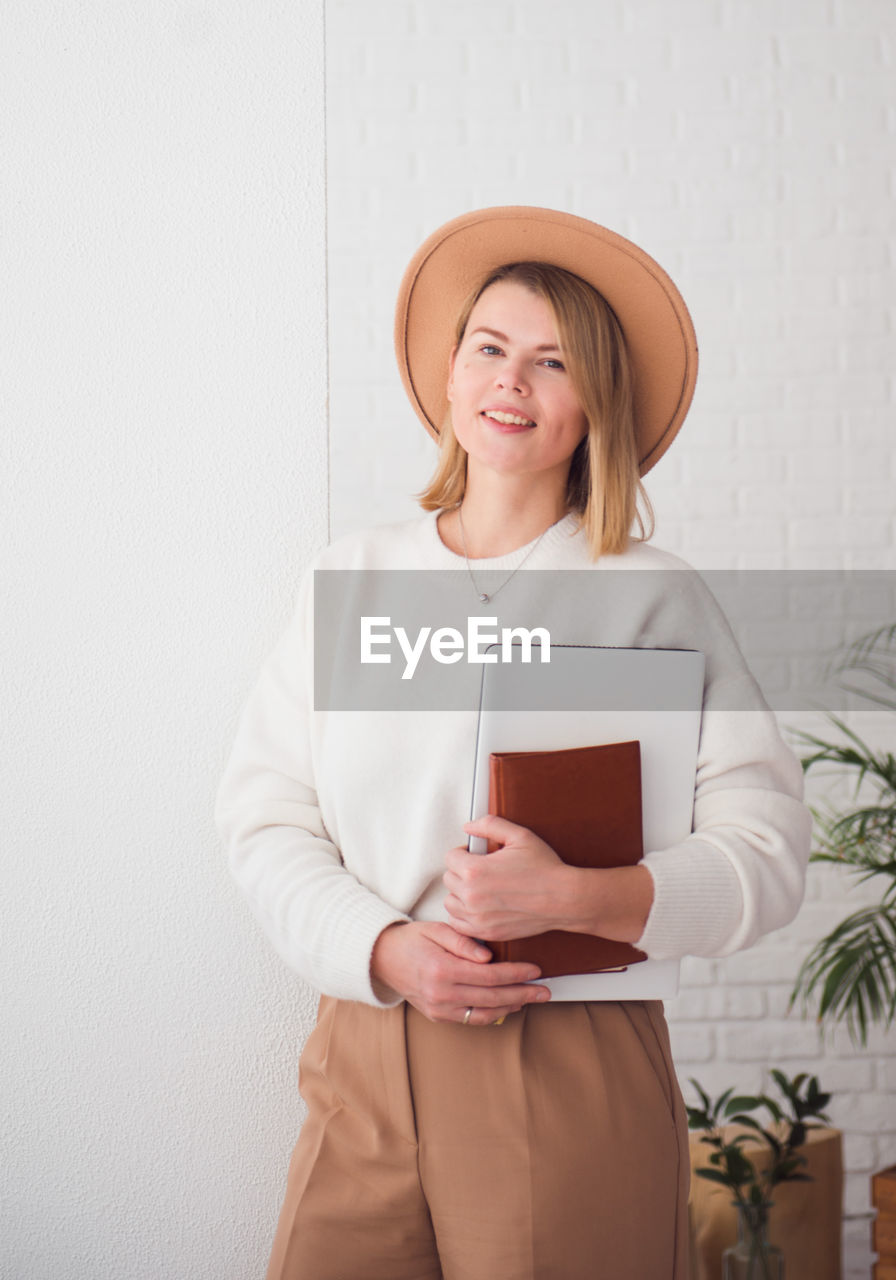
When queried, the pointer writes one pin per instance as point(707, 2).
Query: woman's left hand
point(521, 889)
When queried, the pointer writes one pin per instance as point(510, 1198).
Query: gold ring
point(468, 1015)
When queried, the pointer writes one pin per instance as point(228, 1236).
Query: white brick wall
point(751, 149)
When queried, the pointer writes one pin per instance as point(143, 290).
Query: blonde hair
point(603, 486)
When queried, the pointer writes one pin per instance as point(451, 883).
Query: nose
point(512, 376)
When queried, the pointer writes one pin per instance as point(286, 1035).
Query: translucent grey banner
point(408, 640)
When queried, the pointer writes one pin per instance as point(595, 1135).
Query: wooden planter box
point(805, 1221)
point(883, 1231)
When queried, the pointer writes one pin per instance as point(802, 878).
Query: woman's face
point(513, 405)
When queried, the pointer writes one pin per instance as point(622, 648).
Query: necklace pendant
point(483, 597)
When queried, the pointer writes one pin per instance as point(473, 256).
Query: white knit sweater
point(337, 822)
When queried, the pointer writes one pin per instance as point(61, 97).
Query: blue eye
point(554, 364)
point(489, 349)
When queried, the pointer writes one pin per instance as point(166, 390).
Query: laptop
point(585, 696)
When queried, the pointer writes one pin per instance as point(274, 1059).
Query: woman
point(553, 1144)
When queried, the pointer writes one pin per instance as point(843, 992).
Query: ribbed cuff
point(348, 957)
point(697, 904)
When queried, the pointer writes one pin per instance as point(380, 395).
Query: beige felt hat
point(658, 330)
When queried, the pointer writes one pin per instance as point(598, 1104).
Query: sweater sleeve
point(322, 921)
point(741, 873)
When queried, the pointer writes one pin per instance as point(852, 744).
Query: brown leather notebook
point(585, 802)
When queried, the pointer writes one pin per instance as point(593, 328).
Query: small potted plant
point(780, 1135)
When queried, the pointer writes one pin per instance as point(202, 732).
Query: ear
point(450, 386)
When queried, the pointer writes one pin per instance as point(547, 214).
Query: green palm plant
point(851, 973)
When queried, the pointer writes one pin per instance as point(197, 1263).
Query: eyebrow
point(502, 337)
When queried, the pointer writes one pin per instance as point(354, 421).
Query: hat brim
point(659, 334)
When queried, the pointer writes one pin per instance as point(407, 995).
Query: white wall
point(163, 401)
point(163, 404)
point(751, 148)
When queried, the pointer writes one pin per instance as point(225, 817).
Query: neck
point(500, 518)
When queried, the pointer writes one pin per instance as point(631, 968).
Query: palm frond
point(850, 975)
point(881, 766)
point(878, 673)
point(862, 839)
point(851, 972)
point(883, 639)
point(873, 656)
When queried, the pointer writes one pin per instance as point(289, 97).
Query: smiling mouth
point(508, 419)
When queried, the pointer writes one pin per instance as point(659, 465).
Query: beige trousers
point(553, 1147)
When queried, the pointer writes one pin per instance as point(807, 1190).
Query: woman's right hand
point(443, 973)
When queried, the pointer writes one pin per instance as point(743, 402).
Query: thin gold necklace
point(484, 596)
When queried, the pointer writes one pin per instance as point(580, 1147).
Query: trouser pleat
point(553, 1147)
